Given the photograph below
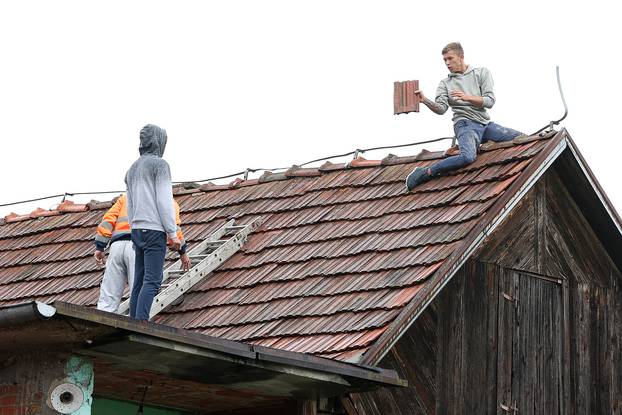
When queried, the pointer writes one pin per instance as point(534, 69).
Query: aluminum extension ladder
point(205, 257)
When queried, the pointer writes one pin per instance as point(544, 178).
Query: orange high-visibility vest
point(115, 224)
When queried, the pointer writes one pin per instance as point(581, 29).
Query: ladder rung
point(176, 271)
point(201, 256)
point(236, 227)
point(216, 243)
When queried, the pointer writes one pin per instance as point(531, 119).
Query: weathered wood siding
point(531, 325)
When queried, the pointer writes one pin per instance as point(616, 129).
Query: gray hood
point(152, 140)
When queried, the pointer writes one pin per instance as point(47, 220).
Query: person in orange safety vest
point(114, 231)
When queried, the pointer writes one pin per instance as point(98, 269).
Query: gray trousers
point(119, 271)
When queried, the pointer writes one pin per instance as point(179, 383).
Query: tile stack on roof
point(342, 249)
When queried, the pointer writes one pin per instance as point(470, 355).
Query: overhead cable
point(241, 173)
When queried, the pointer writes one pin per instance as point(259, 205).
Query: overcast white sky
point(241, 84)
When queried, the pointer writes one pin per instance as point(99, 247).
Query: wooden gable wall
point(533, 322)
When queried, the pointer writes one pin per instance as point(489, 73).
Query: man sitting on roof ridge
point(468, 91)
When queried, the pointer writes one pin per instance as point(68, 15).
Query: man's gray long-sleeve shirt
point(474, 81)
point(149, 190)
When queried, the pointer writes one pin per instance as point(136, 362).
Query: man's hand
point(185, 262)
point(419, 94)
point(100, 258)
point(174, 244)
point(459, 95)
point(472, 99)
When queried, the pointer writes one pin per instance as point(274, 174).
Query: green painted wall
point(103, 406)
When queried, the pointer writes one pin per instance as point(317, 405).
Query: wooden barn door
point(530, 349)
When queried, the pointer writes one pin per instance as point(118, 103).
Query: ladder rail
point(185, 282)
point(215, 236)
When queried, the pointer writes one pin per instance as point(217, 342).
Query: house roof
point(343, 260)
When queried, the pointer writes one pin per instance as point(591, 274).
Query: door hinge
point(513, 409)
point(509, 297)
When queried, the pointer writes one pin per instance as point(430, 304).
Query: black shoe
point(416, 177)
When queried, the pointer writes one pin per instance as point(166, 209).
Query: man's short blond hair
point(455, 46)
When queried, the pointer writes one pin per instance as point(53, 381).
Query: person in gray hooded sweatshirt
point(152, 218)
point(468, 91)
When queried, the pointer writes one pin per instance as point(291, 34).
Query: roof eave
point(596, 187)
point(305, 366)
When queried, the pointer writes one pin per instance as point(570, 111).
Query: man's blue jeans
point(470, 135)
point(150, 247)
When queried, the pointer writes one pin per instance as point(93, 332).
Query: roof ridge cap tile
point(97, 205)
point(297, 171)
point(210, 187)
point(14, 217)
point(237, 183)
point(68, 206)
point(269, 176)
point(180, 191)
point(392, 159)
point(363, 162)
point(429, 155)
point(40, 213)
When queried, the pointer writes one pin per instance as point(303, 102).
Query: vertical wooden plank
point(517, 367)
point(442, 350)
point(566, 404)
point(307, 407)
point(492, 291)
point(615, 368)
point(456, 350)
point(505, 328)
point(451, 351)
point(540, 218)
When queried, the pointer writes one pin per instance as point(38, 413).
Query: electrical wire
point(245, 172)
point(31, 200)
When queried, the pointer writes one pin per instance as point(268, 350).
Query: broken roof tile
point(269, 176)
point(328, 166)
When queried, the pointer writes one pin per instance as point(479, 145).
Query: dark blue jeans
point(150, 247)
point(470, 135)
